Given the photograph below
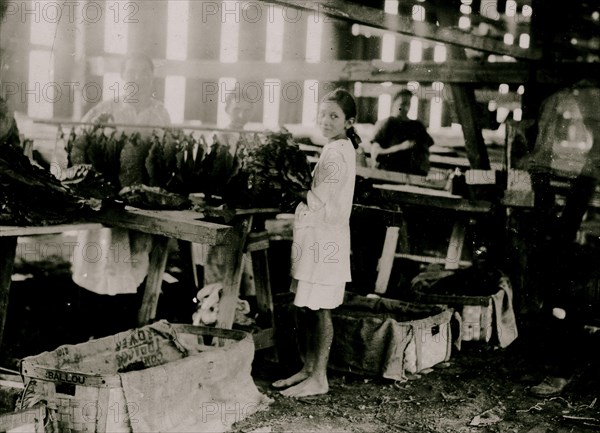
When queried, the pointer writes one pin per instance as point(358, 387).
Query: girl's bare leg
point(309, 357)
point(316, 382)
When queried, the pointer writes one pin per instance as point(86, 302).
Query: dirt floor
point(481, 389)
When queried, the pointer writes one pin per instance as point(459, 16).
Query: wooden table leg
point(233, 273)
point(264, 300)
point(455, 246)
point(158, 261)
point(8, 249)
point(386, 261)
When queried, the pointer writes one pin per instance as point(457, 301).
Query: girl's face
point(332, 121)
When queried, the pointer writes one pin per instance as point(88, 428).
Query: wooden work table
point(419, 196)
point(462, 211)
point(183, 225)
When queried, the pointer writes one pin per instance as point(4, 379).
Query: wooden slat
point(184, 225)
point(401, 24)
point(430, 259)
point(46, 230)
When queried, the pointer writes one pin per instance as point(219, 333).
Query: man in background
point(401, 144)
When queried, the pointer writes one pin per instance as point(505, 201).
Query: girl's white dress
point(321, 242)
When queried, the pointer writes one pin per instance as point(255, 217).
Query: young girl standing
point(321, 247)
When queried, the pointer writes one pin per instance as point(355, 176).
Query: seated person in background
point(240, 110)
point(134, 103)
point(401, 144)
point(122, 260)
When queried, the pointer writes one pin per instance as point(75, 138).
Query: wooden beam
point(184, 225)
point(463, 98)
point(369, 71)
point(402, 24)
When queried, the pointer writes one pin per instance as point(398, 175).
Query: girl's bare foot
point(293, 380)
point(310, 386)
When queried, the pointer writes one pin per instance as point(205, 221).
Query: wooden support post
point(463, 96)
point(158, 261)
point(386, 262)
point(8, 249)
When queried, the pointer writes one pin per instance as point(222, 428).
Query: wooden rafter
point(406, 25)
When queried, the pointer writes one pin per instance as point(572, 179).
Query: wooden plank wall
point(147, 32)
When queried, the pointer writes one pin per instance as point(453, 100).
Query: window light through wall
point(415, 51)
point(440, 53)
point(524, 40)
point(517, 114)
point(275, 28)
point(391, 7)
point(413, 112)
point(388, 47)
point(501, 114)
point(43, 31)
point(116, 30)
point(41, 89)
point(418, 13)
point(227, 85)
point(230, 31)
point(177, 29)
point(464, 22)
point(314, 35)
point(510, 8)
point(175, 97)
point(384, 106)
point(435, 114)
point(113, 89)
point(271, 102)
point(310, 102)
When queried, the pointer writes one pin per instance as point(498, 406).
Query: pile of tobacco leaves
point(29, 194)
point(264, 170)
